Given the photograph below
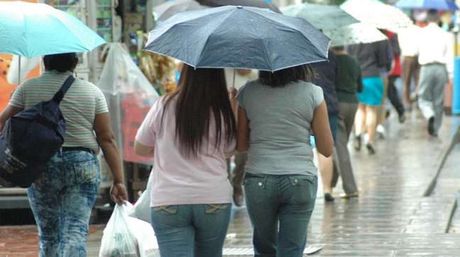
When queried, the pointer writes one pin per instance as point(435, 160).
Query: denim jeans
point(280, 208)
point(194, 230)
point(61, 201)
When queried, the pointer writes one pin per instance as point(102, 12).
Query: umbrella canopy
point(170, 8)
point(253, 3)
point(239, 37)
point(442, 5)
point(354, 34)
point(323, 17)
point(31, 29)
point(377, 14)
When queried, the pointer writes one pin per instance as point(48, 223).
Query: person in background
point(373, 59)
point(436, 58)
point(348, 84)
point(394, 74)
point(62, 198)
point(276, 116)
point(190, 133)
point(410, 68)
point(325, 76)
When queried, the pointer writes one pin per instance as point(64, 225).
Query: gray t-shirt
point(280, 127)
point(81, 103)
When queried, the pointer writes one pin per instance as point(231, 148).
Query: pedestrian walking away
point(374, 60)
point(275, 117)
point(410, 68)
point(325, 76)
point(190, 133)
point(62, 198)
point(348, 84)
point(393, 75)
point(435, 57)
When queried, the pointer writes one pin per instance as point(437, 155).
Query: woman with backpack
point(63, 196)
point(190, 133)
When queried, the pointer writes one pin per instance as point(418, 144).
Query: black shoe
point(328, 197)
point(431, 126)
point(402, 118)
point(357, 143)
point(370, 148)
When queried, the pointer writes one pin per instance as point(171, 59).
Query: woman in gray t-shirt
point(277, 114)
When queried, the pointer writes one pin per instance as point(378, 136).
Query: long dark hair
point(201, 96)
point(283, 77)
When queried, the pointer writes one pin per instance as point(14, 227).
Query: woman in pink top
point(189, 133)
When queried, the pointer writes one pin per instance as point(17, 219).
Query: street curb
point(452, 212)
point(455, 140)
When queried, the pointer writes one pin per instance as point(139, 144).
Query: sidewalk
point(390, 217)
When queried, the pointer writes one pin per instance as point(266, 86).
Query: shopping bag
point(126, 236)
point(142, 208)
point(117, 240)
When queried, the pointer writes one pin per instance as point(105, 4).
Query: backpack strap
point(60, 94)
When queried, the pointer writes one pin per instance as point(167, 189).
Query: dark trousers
point(393, 95)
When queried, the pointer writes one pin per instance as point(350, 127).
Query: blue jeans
point(280, 208)
point(61, 201)
point(194, 230)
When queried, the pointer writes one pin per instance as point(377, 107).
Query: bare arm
point(143, 150)
point(106, 140)
point(242, 141)
point(322, 131)
point(9, 112)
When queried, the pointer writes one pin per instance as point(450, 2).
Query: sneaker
point(431, 126)
point(348, 196)
point(357, 143)
point(370, 148)
point(381, 131)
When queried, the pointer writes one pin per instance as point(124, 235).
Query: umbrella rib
point(207, 39)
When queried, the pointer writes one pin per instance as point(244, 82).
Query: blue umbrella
point(239, 37)
point(31, 29)
point(427, 4)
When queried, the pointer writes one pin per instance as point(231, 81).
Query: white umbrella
point(320, 16)
point(167, 9)
point(377, 14)
point(354, 34)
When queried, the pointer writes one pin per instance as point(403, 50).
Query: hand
point(232, 92)
point(238, 195)
point(118, 193)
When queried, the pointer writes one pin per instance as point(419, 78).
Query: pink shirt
point(176, 179)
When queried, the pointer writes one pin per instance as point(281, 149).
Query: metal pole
point(19, 70)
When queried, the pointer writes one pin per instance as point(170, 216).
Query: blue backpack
point(30, 138)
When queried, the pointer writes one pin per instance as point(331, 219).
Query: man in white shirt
point(435, 58)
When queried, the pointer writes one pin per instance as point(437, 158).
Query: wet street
point(390, 218)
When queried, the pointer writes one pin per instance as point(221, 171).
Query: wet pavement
point(390, 218)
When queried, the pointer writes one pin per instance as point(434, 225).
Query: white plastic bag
point(126, 236)
point(142, 208)
point(117, 240)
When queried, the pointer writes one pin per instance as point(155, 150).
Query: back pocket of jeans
point(216, 208)
point(86, 172)
point(165, 210)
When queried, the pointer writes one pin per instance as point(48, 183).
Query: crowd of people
point(267, 125)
